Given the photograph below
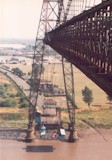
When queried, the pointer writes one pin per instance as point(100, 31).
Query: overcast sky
point(19, 18)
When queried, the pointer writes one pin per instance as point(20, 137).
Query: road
point(19, 81)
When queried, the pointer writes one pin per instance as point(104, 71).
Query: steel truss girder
point(86, 41)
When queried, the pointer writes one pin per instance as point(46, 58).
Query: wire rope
point(82, 5)
point(53, 68)
point(94, 2)
point(89, 3)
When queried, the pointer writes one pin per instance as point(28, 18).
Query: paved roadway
point(19, 81)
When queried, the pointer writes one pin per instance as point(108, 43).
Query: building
point(49, 102)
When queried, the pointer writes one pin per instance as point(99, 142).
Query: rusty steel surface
point(86, 41)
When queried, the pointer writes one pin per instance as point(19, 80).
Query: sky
point(19, 18)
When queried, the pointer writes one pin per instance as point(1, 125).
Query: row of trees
point(18, 71)
point(36, 69)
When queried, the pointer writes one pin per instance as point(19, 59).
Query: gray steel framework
point(70, 95)
point(86, 41)
point(69, 79)
point(49, 19)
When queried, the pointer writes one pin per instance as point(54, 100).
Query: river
point(54, 150)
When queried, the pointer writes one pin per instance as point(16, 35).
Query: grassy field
point(96, 118)
point(16, 117)
point(80, 81)
point(100, 118)
point(11, 116)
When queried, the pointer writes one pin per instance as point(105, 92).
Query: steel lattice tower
point(68, 78)
point(73, 8)
point(51, 13)
point(69, 82)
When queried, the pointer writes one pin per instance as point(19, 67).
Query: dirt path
point(95, 134)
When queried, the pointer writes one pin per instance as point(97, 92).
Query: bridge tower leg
point(70, 96)
point(49, 19)
point(73, 7)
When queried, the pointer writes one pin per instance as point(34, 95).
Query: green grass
point(14, 120)
point(11, 116)
point(100, 119)
point(100, 97)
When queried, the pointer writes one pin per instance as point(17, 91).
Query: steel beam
point(86, 41)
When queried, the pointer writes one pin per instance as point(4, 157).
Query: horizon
point(17, 41)
point(16, 38)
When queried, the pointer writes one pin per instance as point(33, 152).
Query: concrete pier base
point(30, 134)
